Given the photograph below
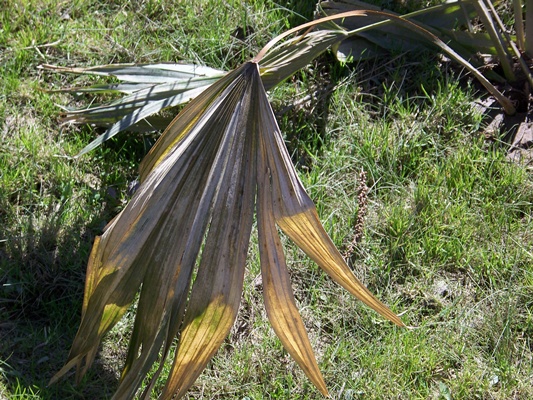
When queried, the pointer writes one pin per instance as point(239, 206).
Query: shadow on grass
point(41, 290)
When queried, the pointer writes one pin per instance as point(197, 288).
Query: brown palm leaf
point(192, 216)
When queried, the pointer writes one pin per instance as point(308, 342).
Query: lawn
point(446, 241)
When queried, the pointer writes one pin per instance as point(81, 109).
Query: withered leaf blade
point(150, 88)
point(388, 36)
point(279, 299)
point(289, 57)
point(424, 32)
point(127, 116)
point(154, 240)
point(217, 290)
point(188, 118)
point(296, 215)
point(143, 73)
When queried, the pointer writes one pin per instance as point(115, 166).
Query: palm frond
point(149, 88)
point(199, 186)
point(192, 216)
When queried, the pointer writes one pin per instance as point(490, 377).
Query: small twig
point(42, 45)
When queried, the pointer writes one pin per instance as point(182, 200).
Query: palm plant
point(219, 161)
point(478, 48)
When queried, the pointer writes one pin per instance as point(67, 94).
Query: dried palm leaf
point(192, 216)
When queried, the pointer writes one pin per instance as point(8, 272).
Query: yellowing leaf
point(193, 212)
point(296, 215)
point(307, 232)
point(217, 290)
point(279, 298)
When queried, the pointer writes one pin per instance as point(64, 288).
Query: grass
point(447, 239)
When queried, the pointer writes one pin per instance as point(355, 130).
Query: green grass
point(447, 240)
